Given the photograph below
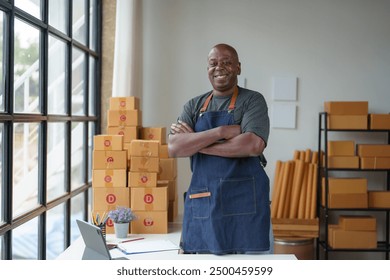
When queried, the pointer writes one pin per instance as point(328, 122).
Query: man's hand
point(181, 127)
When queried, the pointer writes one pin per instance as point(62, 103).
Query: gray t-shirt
point(251, 111)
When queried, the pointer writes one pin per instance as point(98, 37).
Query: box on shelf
point(150, 222)
point(124, 103)
point(108, 142)
point(343, 239)
point(144, 148)
point(149, 199)
point(350, 162)
point(142, 179)
point(129, 132)
point(375, 162)
point(380, 121)
point(341, 148)
point(373, 150)
point(348, 122)
point(154, 133)
point(357, 222)
point(346, 185)
point(346, 200)
point(346, 107)
point(109, 160)
point(379, 199)
point(105, 178)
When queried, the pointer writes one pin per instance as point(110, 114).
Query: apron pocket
point(238, 196)
point(200, 204)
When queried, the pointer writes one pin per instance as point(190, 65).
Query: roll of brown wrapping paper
point(287, 166)
point(296, 154)
point(304, 190)
point(307, 155)
point(286, 208)
point(309, 190)
point(296, 188)
point(314, 194)
point(276, 188)
point(314, 158)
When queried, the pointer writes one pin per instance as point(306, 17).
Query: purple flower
point(121, 215)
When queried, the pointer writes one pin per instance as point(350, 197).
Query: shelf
point(356, 209)
point(356, 169)
point(381, 248)
point(355, 130)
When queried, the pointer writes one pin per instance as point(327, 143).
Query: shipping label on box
point(149, 199)
point(346, 107)
point(347, 122)
point(144, 148)
point(124, 103)
point(379, 199)
point(108, 143)
point(144, 164)
point(154, 133)
point(357, 222)
point(109, 178)
point(373, 150)
point(150, 222)
point(124, 118)
point(109, 160)
point(142, 179)
point(168, 169)
point(341, 148)
point(129, 133)
point(380, 121)
point(110, 198)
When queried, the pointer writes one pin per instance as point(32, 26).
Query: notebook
point(95, 244)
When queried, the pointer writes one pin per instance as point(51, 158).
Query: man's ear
point(239, 68)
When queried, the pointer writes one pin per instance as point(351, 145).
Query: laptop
point(95, 244)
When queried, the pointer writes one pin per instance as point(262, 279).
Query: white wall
point(339, 50)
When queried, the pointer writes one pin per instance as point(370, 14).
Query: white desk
point(75, 251)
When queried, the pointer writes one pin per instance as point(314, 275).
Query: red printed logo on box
point(121, 132)
point(144, 179)
point(110, 159)
point(110, 198)
point(151, 136)
point(109, 223)
point(122, 103)
point(122, 118)
point(107, 143)
point(107, 179)
point(148, 198)
point(148, 222)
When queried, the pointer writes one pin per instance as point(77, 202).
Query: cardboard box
point(341, 148)
point(154, 133)
point(172, 187)
point(108, 143)
point(347, 200)
point(144, 164)
point(164, 151)
point(124, 103)
point(124, 118)
point(349, 162)
point(359, 222)
point(149, 199)
point(346, 107)
point(348, 122)
point(109, 198)
point(346, 185)
point(173, 210)
point(150, 222)
point(129, 132)
point(342, 239)
point(380, 121)
point(109, 178)
point(142, 179)
point(144, 148)
point(379, 199)
point(375, 163)
point(109, 160)
point(373, 150)
point(167, 169)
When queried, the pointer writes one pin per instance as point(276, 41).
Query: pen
point(135, 239)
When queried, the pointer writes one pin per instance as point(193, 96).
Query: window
point(49, 95)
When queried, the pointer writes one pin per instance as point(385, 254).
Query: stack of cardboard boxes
point(109, 168)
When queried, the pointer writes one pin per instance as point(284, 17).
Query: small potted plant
point(121, 217)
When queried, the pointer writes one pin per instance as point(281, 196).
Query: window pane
point(79, 25)
point(56, 76)
point(92, 25)
point(77, 157)
point(55, 232)
point(91, 133)
point(1, 172)
point(92, 87)
point(25, 241)
point(33, 7)
point(55, 160)
point(2, 60)
point(26, 70)
point(78, 82)
point(25, 167)
point(58, 14)
point(77, 212)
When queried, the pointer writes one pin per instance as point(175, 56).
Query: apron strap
point(231, 105)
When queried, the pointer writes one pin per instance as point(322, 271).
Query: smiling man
point(224, 132)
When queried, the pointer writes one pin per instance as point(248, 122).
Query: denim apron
point(226, 207)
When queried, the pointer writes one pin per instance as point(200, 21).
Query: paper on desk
point(147, 246)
